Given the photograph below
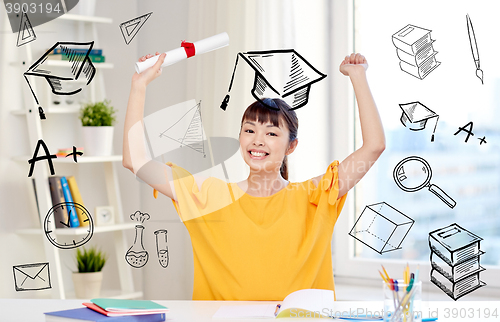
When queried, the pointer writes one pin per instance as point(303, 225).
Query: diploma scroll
point(178, 54)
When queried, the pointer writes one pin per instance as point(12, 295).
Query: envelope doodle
point(32, 277)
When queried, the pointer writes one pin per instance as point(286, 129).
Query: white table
point(17, 310)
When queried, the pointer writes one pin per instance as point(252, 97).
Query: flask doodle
point(137, 256)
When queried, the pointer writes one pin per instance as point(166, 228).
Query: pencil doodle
point(281, 74)
point(37, 158)
point(415, 116)
point(75, 153)
point(455, 260)
point(464, 128)
point(40, 11)
point(415, 51)
point(62, 79)
point(131, 27)
point(32, 277)
point(161, 247)
point(193, 136)
point(26, 33)
point(473, 48)
point(382, 227)
point(482, 140)
point(414, 173)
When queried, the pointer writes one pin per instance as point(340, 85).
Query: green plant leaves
point(90, 260)
point(97, 114)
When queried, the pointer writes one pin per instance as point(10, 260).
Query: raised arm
point(136, 156)
point(356, 165)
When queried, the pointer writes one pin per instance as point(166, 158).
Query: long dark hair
point(272, 111)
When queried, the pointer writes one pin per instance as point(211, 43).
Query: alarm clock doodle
point(78, 240)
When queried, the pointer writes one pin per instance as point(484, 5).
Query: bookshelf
point(84, 25)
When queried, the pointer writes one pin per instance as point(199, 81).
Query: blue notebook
point(85, 314)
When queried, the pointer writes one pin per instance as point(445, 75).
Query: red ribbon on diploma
point(189, 48)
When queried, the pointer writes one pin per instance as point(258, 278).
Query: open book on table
point(306, 303)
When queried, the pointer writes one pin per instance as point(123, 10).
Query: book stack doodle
point(415, 51)
point(455, 264)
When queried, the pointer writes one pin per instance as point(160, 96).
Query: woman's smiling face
point(263, 145)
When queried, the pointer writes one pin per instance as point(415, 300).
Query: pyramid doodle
point(26, 33)
point(131, 27)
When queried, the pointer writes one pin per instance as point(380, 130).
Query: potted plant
point(88, 279)
point(97, 122)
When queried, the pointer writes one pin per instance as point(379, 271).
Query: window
point(466, 168)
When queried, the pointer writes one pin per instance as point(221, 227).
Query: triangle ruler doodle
point(26, 33)
point(177, 126)
point(131, 27)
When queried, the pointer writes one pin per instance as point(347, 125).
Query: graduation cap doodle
point(279, 74)
point(415, 116)
point(62, 79)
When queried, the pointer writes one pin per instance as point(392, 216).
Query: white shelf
point(78, 231)
point(73, 17)
point(65, 63)
point(54, 109)
point(82, 159)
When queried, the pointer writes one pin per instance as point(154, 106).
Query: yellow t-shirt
point(258, 248)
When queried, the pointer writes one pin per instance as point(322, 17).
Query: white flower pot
point(98, 140)
point(87, 285)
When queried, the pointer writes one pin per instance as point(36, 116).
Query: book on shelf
point(58, 50)
point(86, 314)
point(77, 198)
point(93, 58)
point(412, 39)
point(73, 216)
point(36, 197)
point(57, 195)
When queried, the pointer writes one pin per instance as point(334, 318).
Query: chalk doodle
point(455, 260)
point(415, 51)
point(131, 27)
point(32, 277)
point(414, 173)
point(473, 48)
point(281, 74)
point(26, 33)
point(161, 247)
point(382, 227)
point(415, 116)
point(137, 256)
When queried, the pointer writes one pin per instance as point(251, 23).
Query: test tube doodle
point(161, 247)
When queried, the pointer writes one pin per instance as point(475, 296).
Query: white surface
point(200, 311)
point(178, 54)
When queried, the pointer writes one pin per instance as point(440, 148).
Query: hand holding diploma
point(187, 50)
point(151, 73)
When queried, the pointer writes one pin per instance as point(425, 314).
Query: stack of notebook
point(112, 310)
point(415, 51)
point(455, 260)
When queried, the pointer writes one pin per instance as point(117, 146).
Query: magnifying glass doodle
point(414, 173)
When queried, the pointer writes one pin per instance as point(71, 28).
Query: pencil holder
point(402, 304)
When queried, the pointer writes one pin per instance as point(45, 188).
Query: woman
point(265, 237)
